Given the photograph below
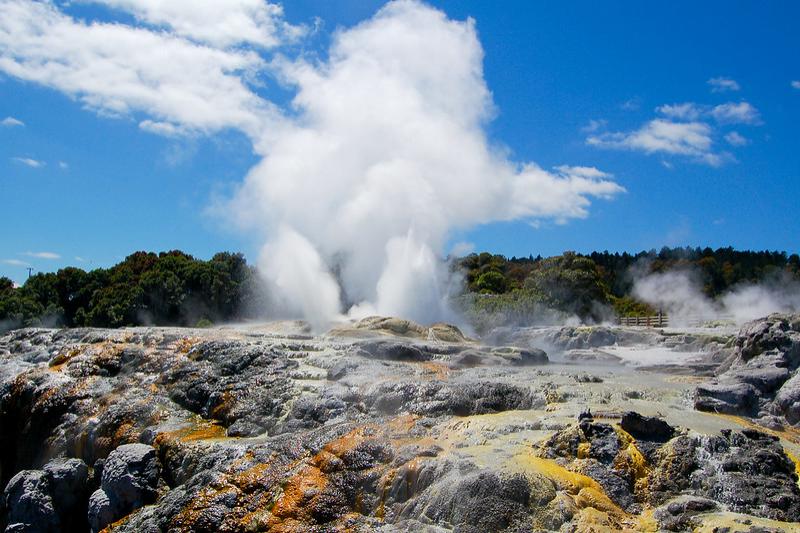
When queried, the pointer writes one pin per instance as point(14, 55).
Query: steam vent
point(387, 425)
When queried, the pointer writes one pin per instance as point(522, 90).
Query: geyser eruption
point(294, 267)
point(384, 155)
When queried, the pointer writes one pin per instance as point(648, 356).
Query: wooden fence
point(654, 321)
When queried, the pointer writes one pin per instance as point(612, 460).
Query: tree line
point(174, 288)
point(598, 286)
point(170, 288)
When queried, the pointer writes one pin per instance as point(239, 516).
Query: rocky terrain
point(386, 425)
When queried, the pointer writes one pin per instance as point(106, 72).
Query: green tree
point(491, 282)
point(570, 283)
point(6, 286)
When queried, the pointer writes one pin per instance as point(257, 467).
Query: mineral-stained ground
point(384, 425)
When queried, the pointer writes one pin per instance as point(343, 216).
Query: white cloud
point(594, 125)
point(27, 161)
point(736, 113)
point(686, 130)
point(727, 113)
point(686, 111)
point(166, 129)
point(43, 255)
point(796, 84)
point(10, 122)
point(63, 165)
point(734, 138)
point(14, 262)
point(582, 172)
point(220, 24)
point(630, 105)
point(721, 85)
point(117, 69)
point(691, 139)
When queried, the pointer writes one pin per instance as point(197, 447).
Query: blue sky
point(574, 84)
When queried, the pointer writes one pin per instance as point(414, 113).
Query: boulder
point(69, 488)
point(469, 358)
point(478, 501)
point(766, 379)
point(533, 356)
point(729, 398)
point(446, 333)
point(130, 481)
point(646, 427)
point(28, 503)
point(750, 473)
point(678, 514)
point(130, 475)
point(392, 351)
point(787, 401)
point(759, 378)
point(100, 511)
point(51, 499)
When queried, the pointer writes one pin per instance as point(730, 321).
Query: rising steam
point(384, 156)
point(678, 293)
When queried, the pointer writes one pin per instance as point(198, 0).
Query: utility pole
point(30, 270)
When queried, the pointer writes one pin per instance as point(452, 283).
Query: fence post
point(659, 320)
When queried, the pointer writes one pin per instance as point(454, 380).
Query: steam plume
point(384, 157)
point(678, 294)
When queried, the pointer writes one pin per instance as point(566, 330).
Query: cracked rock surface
point(387, 425)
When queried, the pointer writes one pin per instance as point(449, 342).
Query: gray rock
point(533, 356)
point(101, 512)
point(759, 378)
point(677, 515)
point(469, 358)
point(476, 502)
point(438, 398)
point(393, 350)
point(750, 473)
point(29, 504)
point(130, 475)
point(591, 355)
point(53, 498)
point(69, 487)
point(746, 471)
point(339, 370)
point(729, 398)
point(774, 332)
point(130, 481)
point(787, 401)
point(646, 427)
point(616, 486)
point(766, 380)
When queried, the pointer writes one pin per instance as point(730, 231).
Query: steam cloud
point(379, 157)
point(386, 156)
point(678, 294)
